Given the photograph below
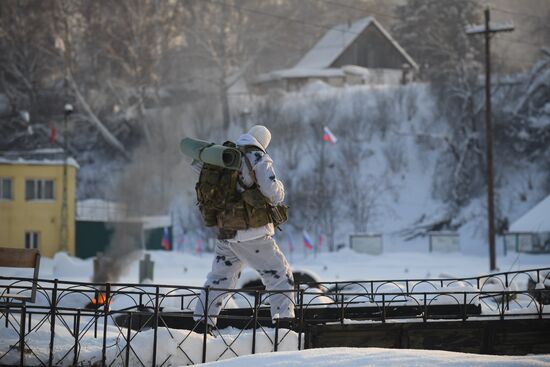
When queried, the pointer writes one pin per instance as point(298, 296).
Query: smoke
point(157, 181)
point(124, 249)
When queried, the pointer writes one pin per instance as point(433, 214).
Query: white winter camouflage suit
point(254, 246)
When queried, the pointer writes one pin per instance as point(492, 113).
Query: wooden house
point(362, 52)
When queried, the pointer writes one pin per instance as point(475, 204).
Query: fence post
point(301, 328)
point(342, 310)
point(22, 335)
point(502, 305)
point(425, 307)
point(276, 342)
point(383, 307)
point(255, 319)
point(76, 335)
point(52, 321)
point(128, 337)
point(7, 309)
point(155, 325)
point(464, 315)
point(105, 318)
point(204, 337)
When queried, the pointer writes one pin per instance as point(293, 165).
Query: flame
point(100, 300)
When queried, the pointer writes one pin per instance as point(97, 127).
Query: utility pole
point(487, 30)
point(67, 111)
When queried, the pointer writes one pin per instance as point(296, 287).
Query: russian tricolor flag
point(328, 136)
point(165, 239)
point(308, 243)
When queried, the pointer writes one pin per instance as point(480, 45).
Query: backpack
point(221, 204)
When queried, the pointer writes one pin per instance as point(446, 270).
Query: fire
point(100, 300)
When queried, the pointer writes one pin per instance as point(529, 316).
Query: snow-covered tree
point(432, 31)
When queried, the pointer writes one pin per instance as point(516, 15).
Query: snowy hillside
point(388, 172)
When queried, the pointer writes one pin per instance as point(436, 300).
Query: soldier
point(252, 206)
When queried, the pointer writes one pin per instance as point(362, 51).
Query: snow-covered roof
point(156, 221)
point(338, 39)
point(37, 157)
point(327, 73)
point(300, 73)
point(99, 210)
point(535, 220)
point(493, 27)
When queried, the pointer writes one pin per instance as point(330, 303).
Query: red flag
point(53, 134)
point(198, 247)
point(328, 136)
point(165, 242)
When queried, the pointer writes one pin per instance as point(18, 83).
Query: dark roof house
point(362, 52)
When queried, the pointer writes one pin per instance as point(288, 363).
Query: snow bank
point(359, 357)
point(174, 347)
point(66, 266)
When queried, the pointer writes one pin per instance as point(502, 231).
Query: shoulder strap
point(244, 150)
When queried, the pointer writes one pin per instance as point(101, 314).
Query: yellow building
point(31, 193)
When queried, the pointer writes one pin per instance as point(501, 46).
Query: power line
point(282, 17)
point(519, 41)
point(361, 10)
point(324, 27)
point(366, 12)
point(517, 13)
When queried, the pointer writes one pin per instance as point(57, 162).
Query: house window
point(39, 190)
point(32, 240)
point(6, 192)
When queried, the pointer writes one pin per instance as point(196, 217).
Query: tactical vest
point(223, 206)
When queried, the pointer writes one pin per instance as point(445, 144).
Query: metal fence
point(74, 323)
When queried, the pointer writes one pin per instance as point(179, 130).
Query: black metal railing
point(74, 323)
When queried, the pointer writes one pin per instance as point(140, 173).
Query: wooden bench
point(21, 258)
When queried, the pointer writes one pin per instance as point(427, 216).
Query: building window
point(39, 190)
point(6, 192)
point(32, 240)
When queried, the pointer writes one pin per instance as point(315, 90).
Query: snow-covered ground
point(182, 347)
point(363, 357)
point(189, 269)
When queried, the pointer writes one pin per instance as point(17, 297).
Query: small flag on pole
point(53, 134)
point(290, 244)
point(328, 136)
point(320, 241)
point(308, 243)
point(198, 247)
point(181, 242)
point(165, 239)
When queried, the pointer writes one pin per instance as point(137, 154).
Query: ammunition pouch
point(233, 217)
point(279, 214)
point(224, 234)
point(257, 208)
point(208, 211)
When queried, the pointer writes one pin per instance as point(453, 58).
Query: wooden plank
point(455, 337)
point(527, 336)
point(387, 337)
point(506, 337)
point(18, 258)
point(15, 296)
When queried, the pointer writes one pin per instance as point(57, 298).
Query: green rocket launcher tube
point(211, 153)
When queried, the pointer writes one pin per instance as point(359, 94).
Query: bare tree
point(27, 53)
